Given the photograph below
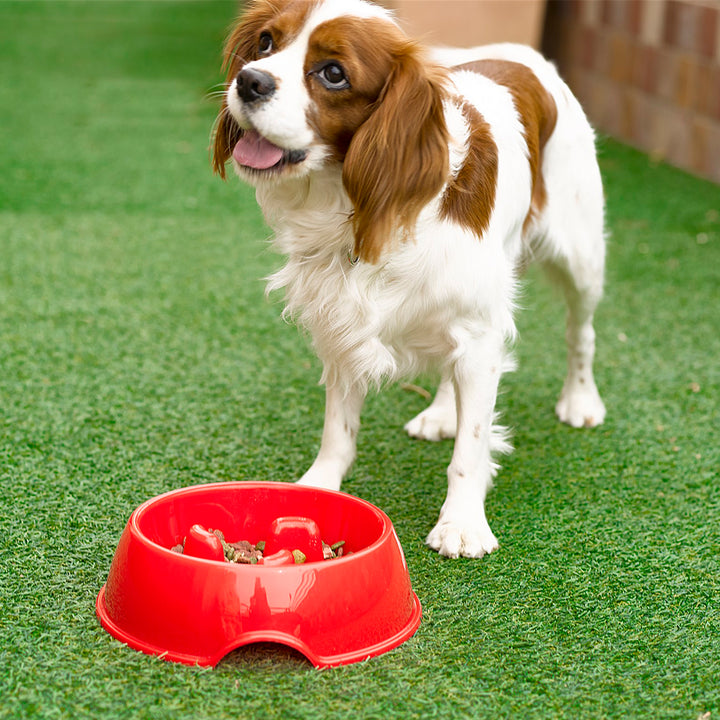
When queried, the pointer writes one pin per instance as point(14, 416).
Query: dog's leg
point(580, 404)
point(339, 438)
point(439, 419)
point(462, 528)
point(572, 252)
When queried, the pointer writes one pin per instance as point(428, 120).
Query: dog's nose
point(253, 85)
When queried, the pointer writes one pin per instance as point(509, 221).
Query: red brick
point(707, 31)
point(620, 58)
point(609, 107)
point(652, 22)
point(705, 152)
point(713, 151)
point(639, 117)
point(706, 95)
point(590, 12)
point(612, 111)
point(714, 107)
point(685, 80)
point(671, 31)
point(623, 15)
point(645, 68)
point(698, 147)
point(602, 52)
point(586, 46)
point(628, 112)
point(579, 83)
point(573, 10)
point(574, 76)
point(590, 91)
point(634, 17)
point(666, 73)
point(691, 26)
point(674, 128)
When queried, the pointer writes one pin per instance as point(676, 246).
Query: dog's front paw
point(433, 424)
point(579, 406)
point(462, 539)
point(322, 475)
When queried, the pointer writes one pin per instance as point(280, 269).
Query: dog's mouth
point(255, 152)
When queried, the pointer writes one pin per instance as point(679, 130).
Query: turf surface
point(138, 354)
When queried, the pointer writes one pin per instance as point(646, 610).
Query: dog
point(407, 189)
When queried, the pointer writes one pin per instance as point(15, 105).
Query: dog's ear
point(226, 134)
point(240, 48)
point(398, 158)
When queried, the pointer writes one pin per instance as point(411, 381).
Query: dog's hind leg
point(580, 404)
point(580, 276)
point(462, 528)
point(339, 438)
point(572, 251)
point(439, 420)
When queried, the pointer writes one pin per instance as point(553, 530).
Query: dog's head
point(316, 82)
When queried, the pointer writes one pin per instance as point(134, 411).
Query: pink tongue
point(253, 150)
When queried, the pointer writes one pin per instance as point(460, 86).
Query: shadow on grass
point(265, 655)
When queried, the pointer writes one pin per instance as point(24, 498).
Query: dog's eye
point(333, 77)
point(265, 43)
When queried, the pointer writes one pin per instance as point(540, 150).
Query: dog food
point(245, 553)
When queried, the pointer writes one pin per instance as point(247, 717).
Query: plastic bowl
point(195, 610)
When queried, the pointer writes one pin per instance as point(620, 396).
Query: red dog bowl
point(193, 609)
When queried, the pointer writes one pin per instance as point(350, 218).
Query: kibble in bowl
point(244, 552)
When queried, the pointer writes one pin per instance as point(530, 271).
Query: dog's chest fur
point(378, 322)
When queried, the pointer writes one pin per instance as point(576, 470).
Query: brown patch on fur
point(282, 19)
point(389, 129)
point(470, 196)
point(537, 112)
point(364, 48)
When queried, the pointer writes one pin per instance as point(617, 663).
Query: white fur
point(443, 299)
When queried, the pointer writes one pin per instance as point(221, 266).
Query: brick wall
point(471, 22)
point(646, 71)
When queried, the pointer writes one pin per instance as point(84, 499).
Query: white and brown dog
point(407, 189)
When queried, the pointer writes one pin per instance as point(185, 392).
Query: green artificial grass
point(138, 354)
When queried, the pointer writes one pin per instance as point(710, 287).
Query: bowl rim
point(135, 518)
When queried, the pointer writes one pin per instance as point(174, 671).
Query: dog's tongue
point(254, 151)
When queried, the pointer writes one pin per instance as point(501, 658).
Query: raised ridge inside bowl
point(166, 520)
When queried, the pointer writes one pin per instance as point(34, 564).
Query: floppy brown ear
point(226, 134)
point(398, 158)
